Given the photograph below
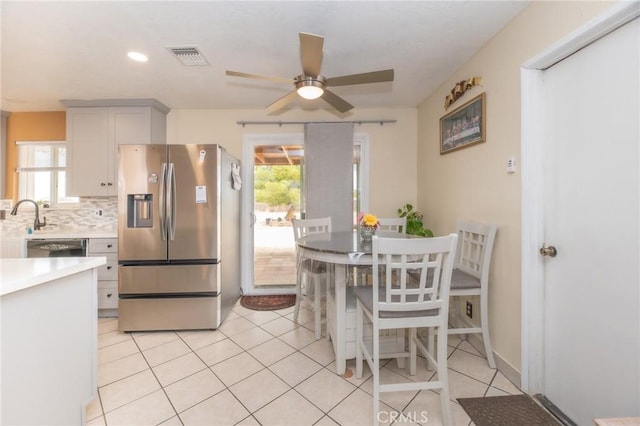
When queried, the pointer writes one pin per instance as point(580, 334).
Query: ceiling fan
point(310, 84)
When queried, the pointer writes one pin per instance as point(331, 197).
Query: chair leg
point(296, 310)
point(359, 334)
point(325, 284)
point(401, 343)
point(376, 373)
point(484, 320)
point(443, 376)
point(317, 308)
point(430, 348)
point(413, 335)
point(454, 310)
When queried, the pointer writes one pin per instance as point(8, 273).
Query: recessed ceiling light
point(137, 56)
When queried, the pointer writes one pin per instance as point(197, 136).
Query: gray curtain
point(328, 156)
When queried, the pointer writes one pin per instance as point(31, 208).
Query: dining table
point(341, 250)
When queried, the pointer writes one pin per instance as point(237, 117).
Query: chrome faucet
point(36, 223)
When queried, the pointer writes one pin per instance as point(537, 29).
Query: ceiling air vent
point(188, 55)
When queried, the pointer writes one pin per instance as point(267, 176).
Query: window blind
point(34, 157)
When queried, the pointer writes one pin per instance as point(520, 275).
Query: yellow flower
point(370, 220)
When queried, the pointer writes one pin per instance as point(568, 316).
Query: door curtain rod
point(283, 123)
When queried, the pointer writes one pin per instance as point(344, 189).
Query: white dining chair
point(396, 224)
point(471, 278)
point(397, 301)
point(311, 274)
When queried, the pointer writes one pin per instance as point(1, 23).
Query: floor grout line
point(259, 324)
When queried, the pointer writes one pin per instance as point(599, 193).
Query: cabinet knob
point(109, 245)
point(109, 267)
point(103, 184)
point(109, 184)
point(109, 294)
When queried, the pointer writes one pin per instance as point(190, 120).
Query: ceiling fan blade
point(259, 77)
point(283, 101)
point(311, 53)
point(367, 77)
point(336, 101)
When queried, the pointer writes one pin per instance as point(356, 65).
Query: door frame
point(532, 156)
point(249, 142)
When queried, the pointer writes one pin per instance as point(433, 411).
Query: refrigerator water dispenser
point(139, 210)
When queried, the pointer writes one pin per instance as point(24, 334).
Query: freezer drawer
point(168, 279)
point(185, 313)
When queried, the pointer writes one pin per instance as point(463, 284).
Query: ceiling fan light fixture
point(309, 88)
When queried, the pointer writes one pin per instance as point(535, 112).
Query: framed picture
point(464, 126)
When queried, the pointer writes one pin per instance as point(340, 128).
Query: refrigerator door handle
point(172, 207)
point(161, 201)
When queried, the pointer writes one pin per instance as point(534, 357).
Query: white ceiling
point(77, 50)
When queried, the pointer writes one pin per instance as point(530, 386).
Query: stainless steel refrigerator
point(178, 236)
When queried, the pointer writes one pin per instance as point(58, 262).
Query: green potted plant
point(414, 221)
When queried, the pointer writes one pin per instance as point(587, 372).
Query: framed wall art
point(464, 126)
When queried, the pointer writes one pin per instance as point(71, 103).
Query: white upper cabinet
point(94, 133)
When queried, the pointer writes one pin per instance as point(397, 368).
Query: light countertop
point(62, 232)
point(20, 274)
point(72, 233)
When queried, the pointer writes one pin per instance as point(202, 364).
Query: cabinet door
point(93, 136)
point(131, 125)
point(89, 152)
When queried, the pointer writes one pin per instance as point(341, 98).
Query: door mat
point(268, 303)
point(508, 410)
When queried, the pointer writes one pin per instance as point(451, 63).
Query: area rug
point(268, 303)
point(508, 410)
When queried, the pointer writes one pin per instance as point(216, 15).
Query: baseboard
point(503, 366)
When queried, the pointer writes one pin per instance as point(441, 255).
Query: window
point(42, 172)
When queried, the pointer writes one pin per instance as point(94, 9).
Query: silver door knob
point(548, 251)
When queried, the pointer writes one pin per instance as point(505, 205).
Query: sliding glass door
point(273, 195)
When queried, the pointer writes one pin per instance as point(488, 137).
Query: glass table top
point(342, 242)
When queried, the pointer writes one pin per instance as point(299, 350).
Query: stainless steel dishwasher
point(57, 247)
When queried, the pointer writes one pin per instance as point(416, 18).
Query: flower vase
point(366, 233)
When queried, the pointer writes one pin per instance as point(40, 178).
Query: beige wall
point(472, 183)
point(392, 146)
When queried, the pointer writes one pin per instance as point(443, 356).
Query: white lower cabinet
point(107, 275)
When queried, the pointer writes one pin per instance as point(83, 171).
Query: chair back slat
point(475, 245)
point(417, 273)
point(303, 227)
point(396, 224)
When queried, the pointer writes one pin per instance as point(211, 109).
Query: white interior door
point(590, 160)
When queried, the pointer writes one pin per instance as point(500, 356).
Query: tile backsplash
point(99, 213)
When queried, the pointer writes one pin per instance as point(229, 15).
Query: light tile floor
point(261, 368)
